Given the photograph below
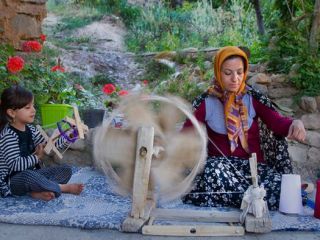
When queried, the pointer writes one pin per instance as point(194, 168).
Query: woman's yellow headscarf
point(236, 113)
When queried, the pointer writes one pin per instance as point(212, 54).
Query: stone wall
point(305, 156)
point(21, 20)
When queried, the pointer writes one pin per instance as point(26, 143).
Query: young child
point(21, 151)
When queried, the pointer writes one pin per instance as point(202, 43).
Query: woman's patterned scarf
point(236, 113)
point(236, 117)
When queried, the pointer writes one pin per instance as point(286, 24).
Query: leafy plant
point(37, 76)
point(307, 75)
point(101, 79)
point(199, 25)
point(121, 8)
point(289, 45)
point(89, 98)
point(156, 72)
point(72, 16)
point(182, 86)
point(113, 94)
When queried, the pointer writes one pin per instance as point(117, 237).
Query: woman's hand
point(297, 131)
point(39, 151)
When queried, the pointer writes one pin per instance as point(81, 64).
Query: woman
point(231, 113)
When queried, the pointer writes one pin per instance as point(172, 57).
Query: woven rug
point(97, 207)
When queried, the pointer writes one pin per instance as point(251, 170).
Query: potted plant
point(53, 94)
point(91, 109)
point(112, 96)
point(97, 106)
point(34, 71)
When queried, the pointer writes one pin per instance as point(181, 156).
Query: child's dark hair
point(14, 97)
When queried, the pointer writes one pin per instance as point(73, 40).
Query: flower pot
point(53, 113)
point(92, 117)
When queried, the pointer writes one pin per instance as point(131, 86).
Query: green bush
point(129, 13)
point(308, 72)
point(156, 72)
point(182, 86)
point(194, 25)
point(119, 7)
point(73, 16)
point(101, 79)
point(289, 49)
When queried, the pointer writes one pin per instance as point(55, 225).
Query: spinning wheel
point(150, 158)
point(176, 157)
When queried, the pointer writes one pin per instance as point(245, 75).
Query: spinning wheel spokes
point(177, 156)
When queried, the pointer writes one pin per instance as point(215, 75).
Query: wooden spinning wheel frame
point(144, 212)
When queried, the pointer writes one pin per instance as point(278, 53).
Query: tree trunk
point(176, 3)
point(256, 4)
point(315, 28)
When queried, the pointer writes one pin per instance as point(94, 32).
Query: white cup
point(290, 195)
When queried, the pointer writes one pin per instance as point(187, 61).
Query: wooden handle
point(253, 169)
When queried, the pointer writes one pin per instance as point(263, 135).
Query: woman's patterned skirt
point(224, 181)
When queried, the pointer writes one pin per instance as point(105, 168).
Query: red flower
point(43, 37)
point(15, 64)
point(145, 82)
point(31, 46)
point(123, 93)
point(57, 68)
point(109, 88)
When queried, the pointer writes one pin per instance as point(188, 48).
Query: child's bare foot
point(73, 188)
point(46, 196)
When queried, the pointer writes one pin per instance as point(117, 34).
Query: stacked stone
point(305, 156)
point(20, 20)
point(307, 162)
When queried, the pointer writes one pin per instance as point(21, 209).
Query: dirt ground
point(96, 49)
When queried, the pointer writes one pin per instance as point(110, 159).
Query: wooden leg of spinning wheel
point(141, 208)
point(258, 225)
point(131, 224)
point(252, 223)
point(142, 170)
